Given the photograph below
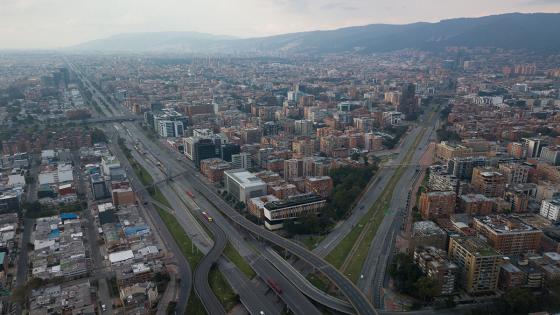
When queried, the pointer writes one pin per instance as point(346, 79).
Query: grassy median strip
point(222, 289)
point(343, 251)
point(232, 254)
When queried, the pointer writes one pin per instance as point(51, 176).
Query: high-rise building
point(550, 209)
point(407, 101)
point(551, 155)
point(508, 234)
point(462, 167)
point(241, 161)
point(303, 127)
point(293, 168)
point(437, 204)
point(488, 182)
point(533, 147)
point(434, 263)
point(478, 261)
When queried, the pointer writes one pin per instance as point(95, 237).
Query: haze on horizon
point(47, 24)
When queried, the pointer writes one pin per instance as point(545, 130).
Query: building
point(276, 212)
point(434, 263)
point(462, 167)
point(214, 169)
point(488, 182)
point(551, 155)
point(427, 234)
point(373, 142)
point(293, 168)
point(408, 104)
point(99, 187)
point(533, 147)
point(255, 205)
point(446, 151)
point(320, 185)
point(475, 204)
point(437, 204)
point(440, 180)
point(550, 209)
point(241, 161)
point(243, 185)
point(479, 263)
point(508, 234)
point(303, 127)
point(123, 196)
point(515, 173)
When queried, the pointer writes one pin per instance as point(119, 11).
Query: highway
point(356, 298)
point(254, 302)
point(373, 273)
point(184, 269)
point(201, 285)
point(304, 285)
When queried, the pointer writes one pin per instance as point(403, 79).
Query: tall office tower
point(407, 100)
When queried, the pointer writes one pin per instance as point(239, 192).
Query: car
point(103, 307)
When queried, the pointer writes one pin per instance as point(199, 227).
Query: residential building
point(434, 263)
point(479, 263)
point(437, 204)
point(488, 182)
point(427, 234)
point(550, 209)
point(320, 185)
point(475, 204)
point(508, 234)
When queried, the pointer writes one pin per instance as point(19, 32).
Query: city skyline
point(32, 24)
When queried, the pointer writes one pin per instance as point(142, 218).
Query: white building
point(392, 118)
point(170, 128)
point(550, 209)
point(244, 185)
point(241, 160)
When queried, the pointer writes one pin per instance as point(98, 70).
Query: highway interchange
point(262, 261)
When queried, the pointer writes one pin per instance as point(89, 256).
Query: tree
point(517, 301)
point(425, 288)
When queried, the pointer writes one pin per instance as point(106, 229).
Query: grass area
point(375, 214)
point(195, 306)
point(158, 196)
point(319, 281)
point(310, 241)
point(222, 289)
point(188, 249)
point(236, 258)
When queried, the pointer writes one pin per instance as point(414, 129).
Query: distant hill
point(536, 31)
point(156, 41)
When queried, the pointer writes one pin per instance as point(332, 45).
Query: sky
point(46, 24)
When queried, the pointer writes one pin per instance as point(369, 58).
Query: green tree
point(517, 301)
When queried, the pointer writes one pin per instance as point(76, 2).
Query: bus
point(207, 216)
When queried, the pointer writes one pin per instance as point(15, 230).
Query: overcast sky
point(59, 23)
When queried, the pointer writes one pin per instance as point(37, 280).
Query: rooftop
point(502, 224)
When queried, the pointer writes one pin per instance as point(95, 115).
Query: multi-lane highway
point(356, 298)
point(201, 284)
point(380, 251)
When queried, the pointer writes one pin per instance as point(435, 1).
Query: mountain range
point(533, 31)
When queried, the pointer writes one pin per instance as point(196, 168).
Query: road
point(201, 284)
point(373, 273)
point(356, 298)
point(94, 250)
point(184, 269)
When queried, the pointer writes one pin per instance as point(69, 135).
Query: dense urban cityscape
point(407, 181)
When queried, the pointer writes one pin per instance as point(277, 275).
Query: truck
point(274, 285)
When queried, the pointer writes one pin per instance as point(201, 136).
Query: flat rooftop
point(502, 224)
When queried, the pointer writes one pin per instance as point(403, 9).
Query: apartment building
point(508, 234)
point(479, 263)
point(488, 182)
point(437, 204)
